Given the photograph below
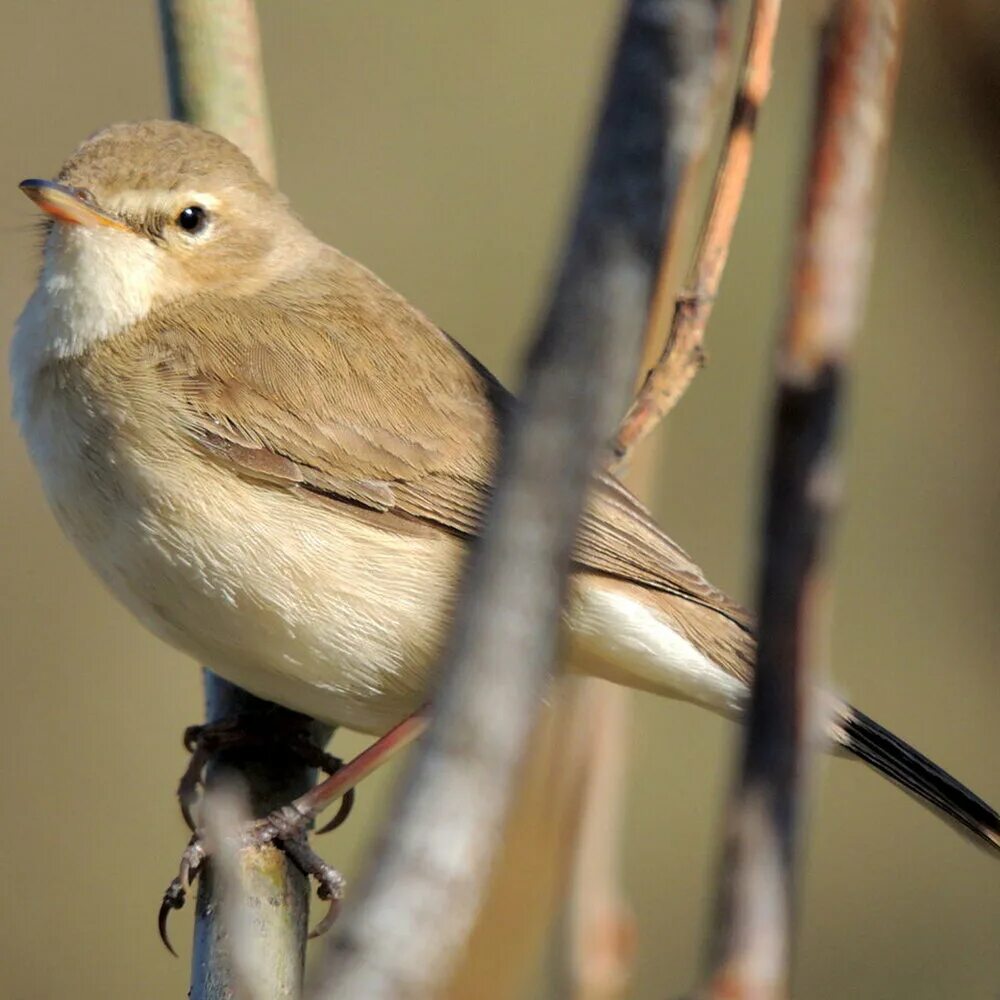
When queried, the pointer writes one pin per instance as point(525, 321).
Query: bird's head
point(146, 213)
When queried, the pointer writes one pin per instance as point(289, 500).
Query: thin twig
point(562, 839)
point(600, 940)
point(661, 305)
point(682, 354)
point(750, 954)
point(400, 935)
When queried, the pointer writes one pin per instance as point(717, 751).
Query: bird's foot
point(205, 741)
point(286, 828)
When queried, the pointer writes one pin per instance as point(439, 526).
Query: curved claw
point(176, 894)
point(186, 814)
point(173, 899)
point(332, 765)
point(329, 918)
point(331, 882)
point(331, 887)
point(346, 805)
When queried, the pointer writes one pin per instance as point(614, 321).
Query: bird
point(278, 464)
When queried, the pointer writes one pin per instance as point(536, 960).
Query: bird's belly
point(303, 601)
point(339, 624)
point(299, 601)
point(307, 606)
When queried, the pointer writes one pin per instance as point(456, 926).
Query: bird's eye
point(193, 219)
point(86, 196)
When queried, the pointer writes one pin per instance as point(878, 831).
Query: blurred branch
point(401, 935)
point(561, 834)
point(535, 855)
point(215, 79)
point(750, 954)
point(601, 924)
point(661, 305)
point(682, 354)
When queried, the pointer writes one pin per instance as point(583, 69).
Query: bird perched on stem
point(278, 464)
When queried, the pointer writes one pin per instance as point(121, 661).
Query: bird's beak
point(69, 204)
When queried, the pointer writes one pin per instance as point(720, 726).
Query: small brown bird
point(277, 463)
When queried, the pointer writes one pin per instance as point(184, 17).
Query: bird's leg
point(252, 733)
point(288, 827)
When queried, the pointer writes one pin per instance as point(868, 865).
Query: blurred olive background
point(439, 143)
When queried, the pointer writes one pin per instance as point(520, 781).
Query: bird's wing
point(344, 389)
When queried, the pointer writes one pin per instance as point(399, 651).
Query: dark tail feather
point(919, 776)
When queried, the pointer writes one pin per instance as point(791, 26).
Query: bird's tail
point(921, 777)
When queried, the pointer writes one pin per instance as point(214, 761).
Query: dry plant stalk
point(535, 858)
point(401, 935)
point(599, 948)
point(750, 952)
point(600, 943)
point(661, 305)
point(682, 354)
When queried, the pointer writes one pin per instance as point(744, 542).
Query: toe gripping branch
point(205, 741)
point(287, 827)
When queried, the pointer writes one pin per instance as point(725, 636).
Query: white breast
point(94, 283)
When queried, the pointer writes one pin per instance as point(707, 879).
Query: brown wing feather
point(340, 386)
